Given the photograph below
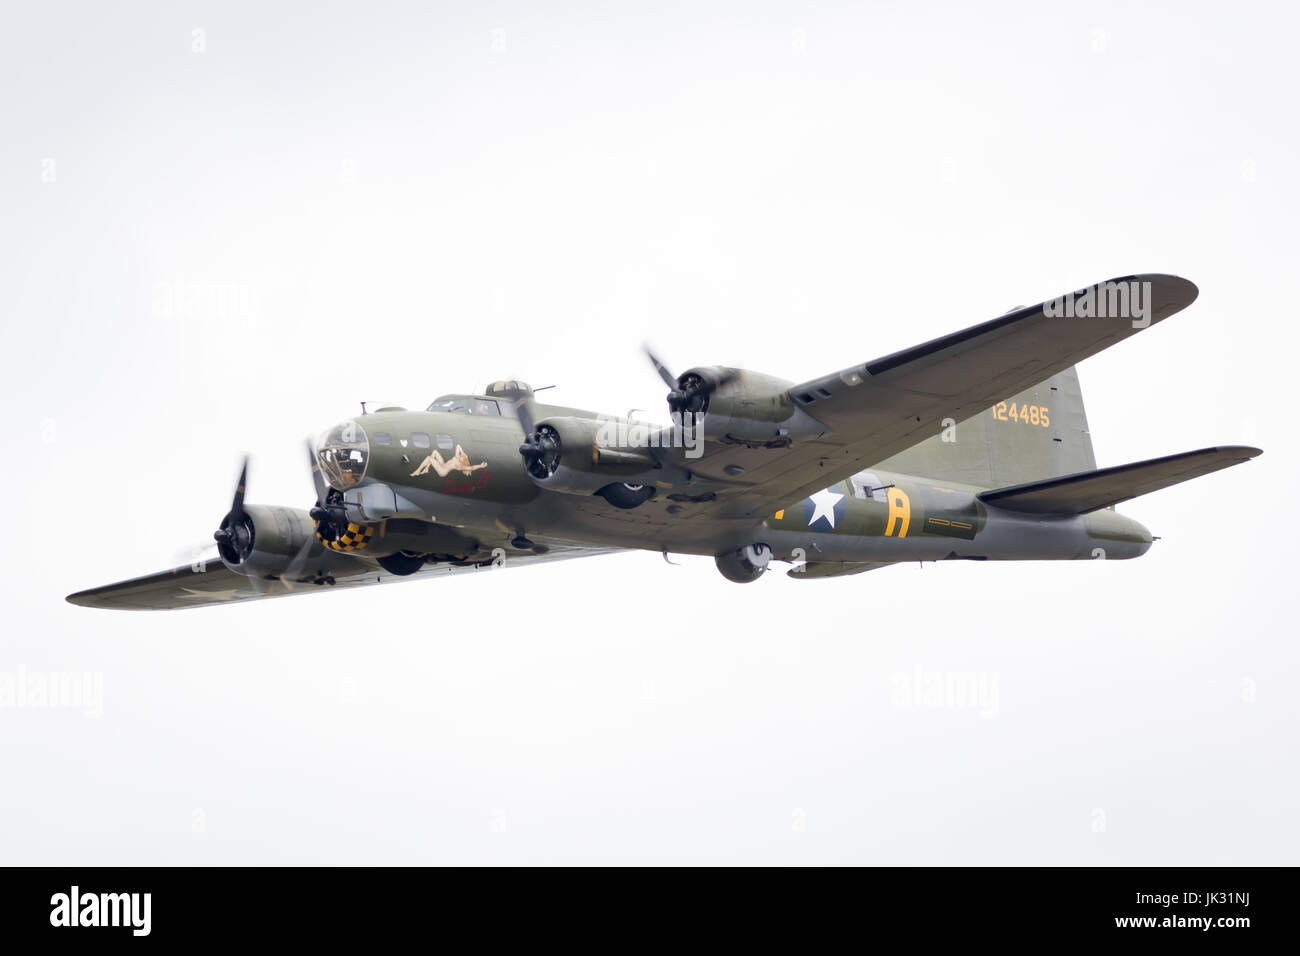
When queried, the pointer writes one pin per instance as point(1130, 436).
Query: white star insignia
point(824, 503)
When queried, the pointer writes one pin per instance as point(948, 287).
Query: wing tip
point(1176, 292)
point(1244, 452)
point(1179, 292)
point(94, 597)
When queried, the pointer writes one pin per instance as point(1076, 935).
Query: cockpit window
point(342, 453)
point(470, 406)
point(383, 438)
point(449, 405)
point(420, 439)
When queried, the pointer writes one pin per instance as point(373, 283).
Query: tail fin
point(1080, 494)
point(1040, 433)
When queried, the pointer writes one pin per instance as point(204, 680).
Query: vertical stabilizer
point(1040, 433)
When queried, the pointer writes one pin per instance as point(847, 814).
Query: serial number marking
point(1022, 414)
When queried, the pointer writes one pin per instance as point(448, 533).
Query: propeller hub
point(691, 395)
point(235, 537)
point(541, 451)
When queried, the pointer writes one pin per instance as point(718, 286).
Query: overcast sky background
point(392, 201)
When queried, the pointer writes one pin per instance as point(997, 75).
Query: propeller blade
point(237, 505)
point(292, 573)
point(322, 490)
point(200, 554)
point(669, 378)
point(524, 408)
point(234, 536)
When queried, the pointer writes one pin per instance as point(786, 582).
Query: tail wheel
point(625, 496)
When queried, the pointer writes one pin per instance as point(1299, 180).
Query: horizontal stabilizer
point(1090, 490)
point(832, 569)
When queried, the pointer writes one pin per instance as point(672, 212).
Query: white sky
point(391, 201)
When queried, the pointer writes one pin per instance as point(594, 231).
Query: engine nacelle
point(584, 455)
point(740, 406)
point(744, 564)
point(270, 537)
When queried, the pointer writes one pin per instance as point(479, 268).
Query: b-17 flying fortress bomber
point(972, 446)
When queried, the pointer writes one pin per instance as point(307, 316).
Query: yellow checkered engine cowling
point(355, 538)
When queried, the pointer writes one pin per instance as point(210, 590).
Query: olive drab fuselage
point(462, 471)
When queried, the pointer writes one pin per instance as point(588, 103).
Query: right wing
point(880, 408)
point(212, 582)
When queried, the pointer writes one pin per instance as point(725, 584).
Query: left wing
point(213, 583)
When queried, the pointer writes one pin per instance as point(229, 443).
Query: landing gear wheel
point(401, 563)
point(744, 564)
point(625, 496)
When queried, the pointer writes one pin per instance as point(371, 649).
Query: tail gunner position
point(971, 446)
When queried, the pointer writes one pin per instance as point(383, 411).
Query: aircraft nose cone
point(343, 453)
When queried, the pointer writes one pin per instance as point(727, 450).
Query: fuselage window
point(445, 443)
point(867, 485)
point(383, 438)
point(420, 439)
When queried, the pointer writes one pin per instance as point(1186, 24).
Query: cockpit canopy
point(343, 453)
point(469, 404)
point(510, 389)
point(498, 399)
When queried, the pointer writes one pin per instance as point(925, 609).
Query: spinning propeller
point(541, 446)
point(690, 392)
point(236, 536)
